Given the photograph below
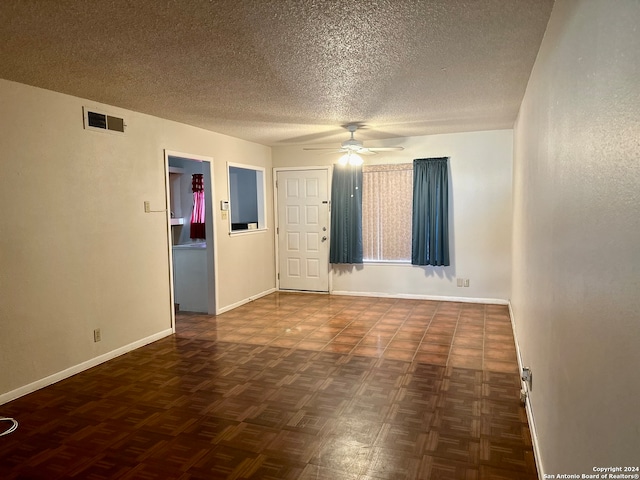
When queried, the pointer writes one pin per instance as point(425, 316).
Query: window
point(247, 200)
point(387, 197)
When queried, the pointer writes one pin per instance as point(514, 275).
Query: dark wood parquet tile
point(449, 446)
point(291, 386)
point(105, 467)
point(319, 472)
point(247, 436)
point(434, 468)
point(495, 452)
point(267, 468)
point(342, 455)
point(223, 462)
point(139, 445)
point(399, 437)
point(456, 424)
point(410, 417)
point(209, 429)
point(273, 416)
point(296, 446)
point(385, 463)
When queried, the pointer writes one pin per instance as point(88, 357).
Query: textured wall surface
point(576, 268)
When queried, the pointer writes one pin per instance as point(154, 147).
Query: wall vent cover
point(100, 121)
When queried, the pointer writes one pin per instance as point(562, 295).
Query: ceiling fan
point(353, 146)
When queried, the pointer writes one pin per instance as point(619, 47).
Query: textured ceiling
point(284, 72)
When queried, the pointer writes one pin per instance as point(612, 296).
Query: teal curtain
point(346, 214)
point(430, 225)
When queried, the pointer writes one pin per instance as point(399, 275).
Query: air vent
point(94, 120)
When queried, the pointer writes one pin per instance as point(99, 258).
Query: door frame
point(212, 250)
point(329, 170)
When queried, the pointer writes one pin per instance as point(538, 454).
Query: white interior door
point(303, 230)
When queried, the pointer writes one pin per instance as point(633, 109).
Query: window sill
point(236, 233)
point(401, 263)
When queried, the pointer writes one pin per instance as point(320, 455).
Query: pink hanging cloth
point(197, 214)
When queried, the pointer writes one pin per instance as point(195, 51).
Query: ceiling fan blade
point(326, 148)
point(386, 149)
point(365, 151)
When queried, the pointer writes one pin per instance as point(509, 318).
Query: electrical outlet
point(466, 282)
point(147, 207)
point(97, 335)
point(460, 282)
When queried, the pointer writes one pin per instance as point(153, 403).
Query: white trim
point(211, 243)
point(284, 169)
point(440, 298)
point(528, 407)
point(188, 156)
point(167, 188)
point(310, 292)
point(274, 191)
point(237, 233)
point(246, 300)
point(262, 212)
point(395, 263)
point(56, 377)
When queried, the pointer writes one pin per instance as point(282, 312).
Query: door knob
point(324, 239)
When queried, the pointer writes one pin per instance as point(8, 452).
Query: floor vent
point(94, 120)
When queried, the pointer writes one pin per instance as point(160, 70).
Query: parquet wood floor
point(291, 386)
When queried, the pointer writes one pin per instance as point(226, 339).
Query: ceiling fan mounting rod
point(352, 143)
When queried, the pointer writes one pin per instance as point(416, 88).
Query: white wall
point(480, 228)
point(77, 251)
point(576, 269)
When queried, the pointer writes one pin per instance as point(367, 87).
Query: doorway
point(192, 260)
point(302, 198)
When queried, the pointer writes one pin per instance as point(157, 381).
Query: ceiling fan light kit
point(350, 158)
point(353, 148)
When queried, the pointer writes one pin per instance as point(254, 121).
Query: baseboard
point(527, 404)
point(246, 300)
point(56, 377)
point(439, 298)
